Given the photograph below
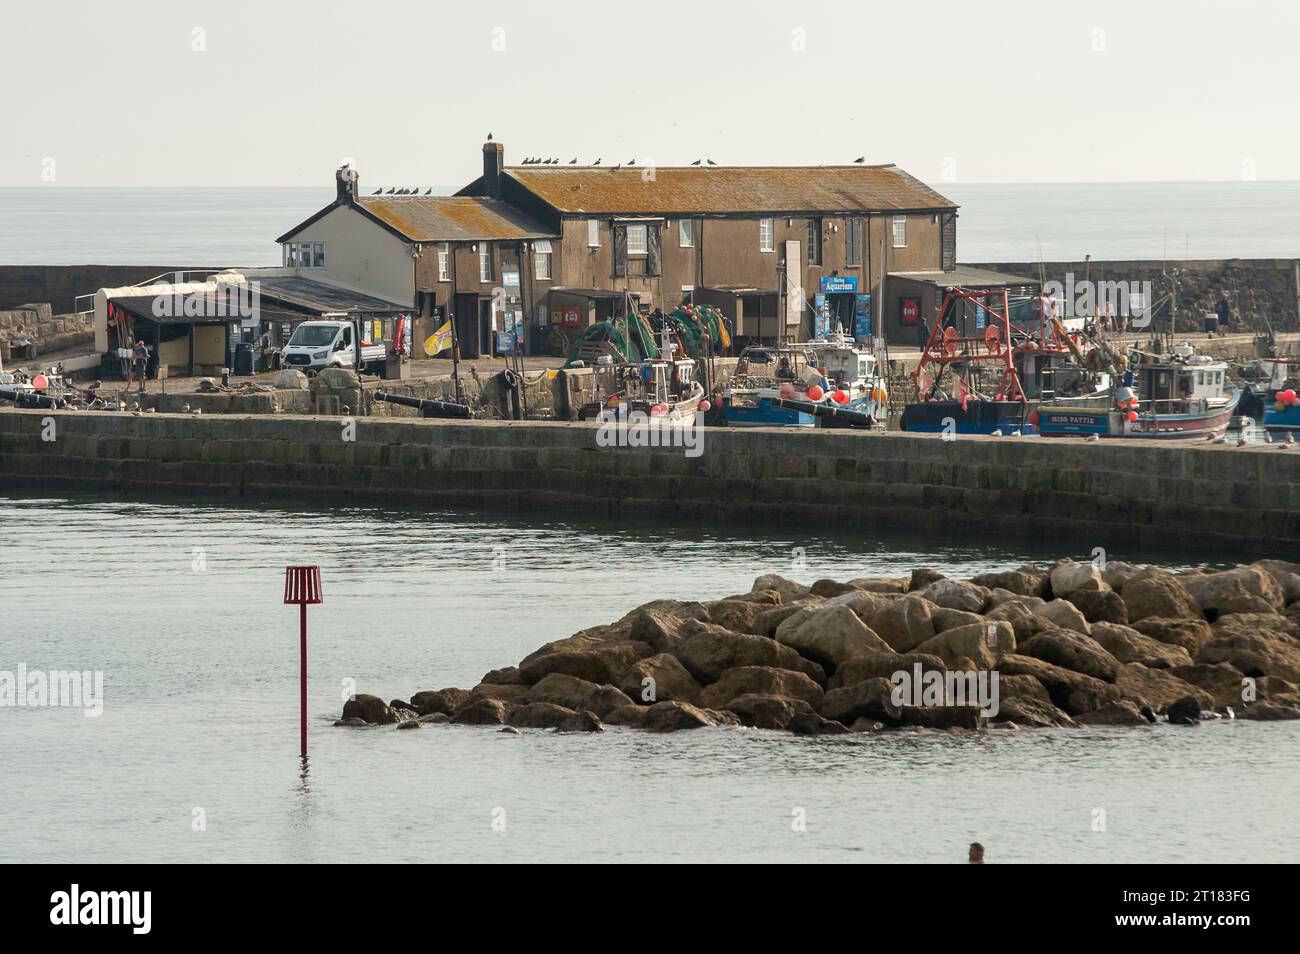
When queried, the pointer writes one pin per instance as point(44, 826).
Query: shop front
point(839, 305)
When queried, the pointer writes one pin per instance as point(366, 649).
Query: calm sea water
point(58, 225)
point(180, 606)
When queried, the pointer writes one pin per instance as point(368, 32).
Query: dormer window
point(304, 254)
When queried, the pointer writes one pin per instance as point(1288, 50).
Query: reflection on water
point(180, 606)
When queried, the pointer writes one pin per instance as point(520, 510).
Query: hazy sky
point(270, 93)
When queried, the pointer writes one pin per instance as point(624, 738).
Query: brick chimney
point(346, 181)
point(494, 156)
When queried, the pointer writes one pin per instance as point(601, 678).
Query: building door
point(485, 328)
point(467, 334)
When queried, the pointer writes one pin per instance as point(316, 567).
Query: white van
point(316, 345)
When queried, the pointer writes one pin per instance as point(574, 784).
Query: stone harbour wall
point(1112, 494)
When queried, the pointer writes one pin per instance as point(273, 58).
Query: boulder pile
point(1070, 644)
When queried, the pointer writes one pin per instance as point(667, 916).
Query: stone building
point(542, 250)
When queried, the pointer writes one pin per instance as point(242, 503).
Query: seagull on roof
point(377, 191)
point(391, 190)
point(860, 159)
point(697, 162)
point(711, 162)
point(573, 161)
point(631, 162)
point(597, 162)
point(489, 137)
point(429, 191)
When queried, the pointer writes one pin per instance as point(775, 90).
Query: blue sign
point(862, 316)
point(839, 284)
point(822, 308)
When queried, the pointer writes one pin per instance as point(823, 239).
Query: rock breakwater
point(1066, 645)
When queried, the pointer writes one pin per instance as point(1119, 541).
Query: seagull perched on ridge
point(697, 162)
point(860, 159)
point(597, 162)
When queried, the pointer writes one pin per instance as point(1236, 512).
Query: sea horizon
point(998, 222)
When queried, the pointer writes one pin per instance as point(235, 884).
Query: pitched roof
point(452, 218)
point(728, 189)
point(439, 218)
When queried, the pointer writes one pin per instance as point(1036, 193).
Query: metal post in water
point(302, 586)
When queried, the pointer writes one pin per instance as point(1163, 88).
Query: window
point(484, 262)
point(765, 235)
point(853, 242)
point(444, 263)
point(636, 240)
point(814, 241)
point(686, 233)
point(900, 231)
point(593, 233)
point(542, 259)
point(304, 254)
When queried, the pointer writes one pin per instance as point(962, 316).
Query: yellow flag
point(440, 340)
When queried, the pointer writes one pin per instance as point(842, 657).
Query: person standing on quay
point(139, 364)
point(1221, 309)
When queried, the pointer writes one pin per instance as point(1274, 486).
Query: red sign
point(910, 310)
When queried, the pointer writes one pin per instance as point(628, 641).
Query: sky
point(269, 93)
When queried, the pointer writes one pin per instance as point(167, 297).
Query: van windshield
point(313, 336)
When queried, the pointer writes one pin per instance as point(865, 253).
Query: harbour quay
point(1187, 495)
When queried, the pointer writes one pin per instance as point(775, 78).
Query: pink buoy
point(705, 405)
point(41, 382)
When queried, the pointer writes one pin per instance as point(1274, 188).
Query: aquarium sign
point(839, 284)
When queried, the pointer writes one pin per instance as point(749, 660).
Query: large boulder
point(1100, 606)
point(945, 619)
point(1285, 575)
point(1069, 577)
point(980, 642)
point(1223, 682)
point(1063, 614)
point(629, 715)
point(1157, 687)
point(789, 589)
point(954, 594)
point(1120, 712)
point(760, 680)
point(1190, 634)
point(828, 587)
point(1246, 589)
point(875, 665)
point(871, 698)
point(1255, 655)
point(1185, 710)
point(922, 577)
point(1074, 692)
point(1029, 712)
point(671, 716)
point(1154, 592)
point(445, 701)
point(505, 676)
point(881, 584)
point(1270, 625)
point(508, 693)
point(1116, 573)
point(1025, 581)
point(941, 717)
point(905, 623)
point(581, 721)
point(1073, 651)
point(577, 694)
point(831, 635)
point(714, 650)
point(660, 678)
point(1021, 687)
point(657, 629)
point(1268, 712)
point(739, 616)
point(760, 711)
point(538, 715)
point(586, 657)
point(1128, 645)
point(481, 711)
point(771, 618)
point(371, 710)
point(289, 379)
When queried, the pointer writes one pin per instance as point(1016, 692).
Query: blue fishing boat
point(1281, 404)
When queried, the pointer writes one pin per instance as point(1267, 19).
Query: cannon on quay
point(24, 398)
point(426, 407)
point(832, 415)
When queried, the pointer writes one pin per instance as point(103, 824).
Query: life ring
point(511, 379)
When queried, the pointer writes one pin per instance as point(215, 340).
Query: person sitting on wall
point(21, 344)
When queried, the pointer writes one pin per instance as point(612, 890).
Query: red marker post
point(302, 586)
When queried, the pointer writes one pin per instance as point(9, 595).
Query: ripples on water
point(201, 707)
